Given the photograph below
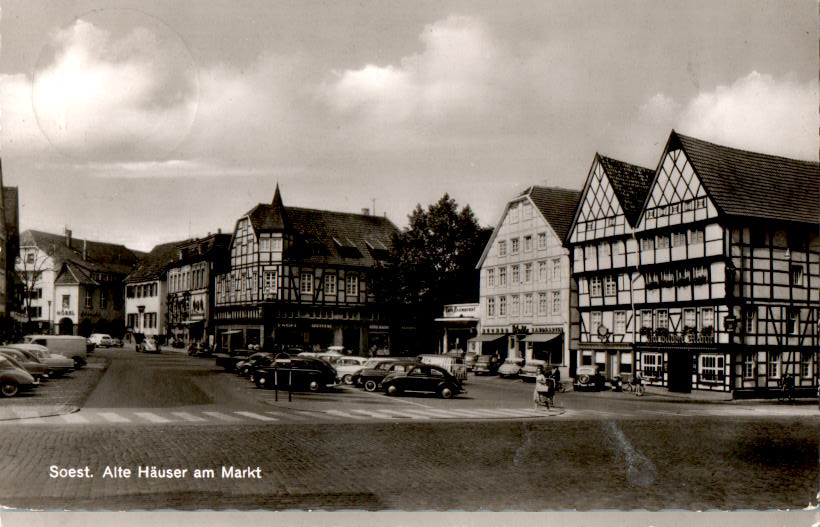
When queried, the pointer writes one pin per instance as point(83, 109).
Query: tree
point(29, 267)
point(432, 263)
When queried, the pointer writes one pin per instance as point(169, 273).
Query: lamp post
point(50, 326)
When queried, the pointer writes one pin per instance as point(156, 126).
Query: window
point(502, 306)
point(526, 210)
point(652, 365)
point(30, 257)
point(696, 236)
point(502, 276)
point(620, 248)
point(594, 322)
point(542, 240)
point(269, 284)
point(490, 277)
point(516, 275)
point(646, 244)
point(773, 365)
point(352, 284)
point(797, 275)
point(595, 286)
point(330, 284)
point(805, 364)
point(748, 366)
point(491, 307)
point(793, 321)
point(542, 271)
point(306, 282)
point(661, 319)
point(556, 269)
point(750, 321)
point(661, 242)
point(264, 244)
point(712, 367)
point(620, 322)
point(689, 321)
point(103, 300)
point(609, 286)
point(604, 250)
point(542, 303)
point(590, 255)
point(35, 311)
point(528, 305)
point(502, 248)
point(514, 305)
point(678, 239)
point(514, 246)
point(514, 213)
point(88, 301)
point(646, 319)
point(527, 273)
point(527, 244)
point(556, 302)
point(707, 317)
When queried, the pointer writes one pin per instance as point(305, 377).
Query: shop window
point(712, 368)
point(652, 365)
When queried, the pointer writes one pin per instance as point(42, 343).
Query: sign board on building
point(461, 311)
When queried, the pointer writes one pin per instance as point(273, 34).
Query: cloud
point(757, 112)
point(100, 96)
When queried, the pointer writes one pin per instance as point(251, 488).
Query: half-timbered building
point(524, 273)
point(303, 277)
point(604, 256)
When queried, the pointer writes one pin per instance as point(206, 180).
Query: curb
point(33, 412)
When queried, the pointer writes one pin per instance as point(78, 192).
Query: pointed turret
point(277, 217)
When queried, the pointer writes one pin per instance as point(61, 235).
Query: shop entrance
point(679, 372)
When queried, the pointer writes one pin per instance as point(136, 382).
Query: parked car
point(470, 360)
point(32, 365)
point(451, 362)
point(228, 361)
point(244, 367)
point(485, 365)
point(422, 378)
point(296, 373)
point(14, 379)
point(530, 369)
point(327, 355)
point(101, 340)
point(57, 364)
point(588, 378)
point(73, 347)
point(371, 378)
point(346, 367)
point(116, 343)
point(510, 368)
point(149, 345)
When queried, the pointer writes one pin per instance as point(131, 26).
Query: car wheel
point(261, 381)
point(9, 389)
point(445, 392)
point(347, 379)
point(245, 371)
point(583, 379)
point(392, 390)
point(313, 386)
point(370, 386)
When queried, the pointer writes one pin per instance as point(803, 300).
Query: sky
point(144, 122)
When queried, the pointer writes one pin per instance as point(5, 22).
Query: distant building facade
point(72, 286)
point(146, 293)
point(303, 277)
point(524, 273)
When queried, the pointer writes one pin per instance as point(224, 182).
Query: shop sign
point(677, 338)
point(379, 326)
point(321, 326)
point(65, 313)
point(286, 325)
point(461, 310)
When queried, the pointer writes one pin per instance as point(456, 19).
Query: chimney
point(365, 212)
point(68, 238)
point(85, 249)
point(219, 231)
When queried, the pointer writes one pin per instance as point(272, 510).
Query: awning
point(231, 332)
point(486, 338)
point(542, 337)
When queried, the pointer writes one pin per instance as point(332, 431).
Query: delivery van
point(454, 365)
point(70, 346)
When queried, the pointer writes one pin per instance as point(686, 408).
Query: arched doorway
point(66, 326)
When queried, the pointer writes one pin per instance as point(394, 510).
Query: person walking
point(543, 390)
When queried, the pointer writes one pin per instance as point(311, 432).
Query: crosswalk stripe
point(154, 418)
point(258, 417)
point(223, 417)
point(189, 417)
point(74, 418)
point(344, 414)
point(112, 417)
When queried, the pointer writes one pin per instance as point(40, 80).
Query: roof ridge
point(743, 151)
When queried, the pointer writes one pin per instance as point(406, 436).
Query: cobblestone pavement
point(692, 464)
point(56, 396)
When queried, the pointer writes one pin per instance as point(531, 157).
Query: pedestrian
point(543, 391)
point(555, 375)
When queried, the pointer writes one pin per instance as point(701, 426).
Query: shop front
point(613, 359)
point(459, 323)
point(489, 344)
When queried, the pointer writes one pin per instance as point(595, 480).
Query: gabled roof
point(750, 184)
point(71, 274)
point(155, 263)
point(341, 238)
point(211, 247)
point(100, 256)
point(557, 205)
point(630, 183)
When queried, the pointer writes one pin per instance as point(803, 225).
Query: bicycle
point(636, 385)
point(786, 389)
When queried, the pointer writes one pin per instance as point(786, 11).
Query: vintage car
point(245, 367)
point(587, 378)
point(29, 363)
point(347, 367)
point(452, 362)
point(296, 373)
point(101, 340)
point(57, 365)
point(510, 368)
point(422, 378)
point(14, 379)
point(485, 365)
point(371, 377)
point(530, 370)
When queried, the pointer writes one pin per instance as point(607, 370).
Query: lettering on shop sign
point(675, 338)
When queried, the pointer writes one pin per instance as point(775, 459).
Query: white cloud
point(757, 112)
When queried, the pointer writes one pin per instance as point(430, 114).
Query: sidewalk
point(655, 393)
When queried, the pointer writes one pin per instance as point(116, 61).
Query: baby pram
point(544, 392)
